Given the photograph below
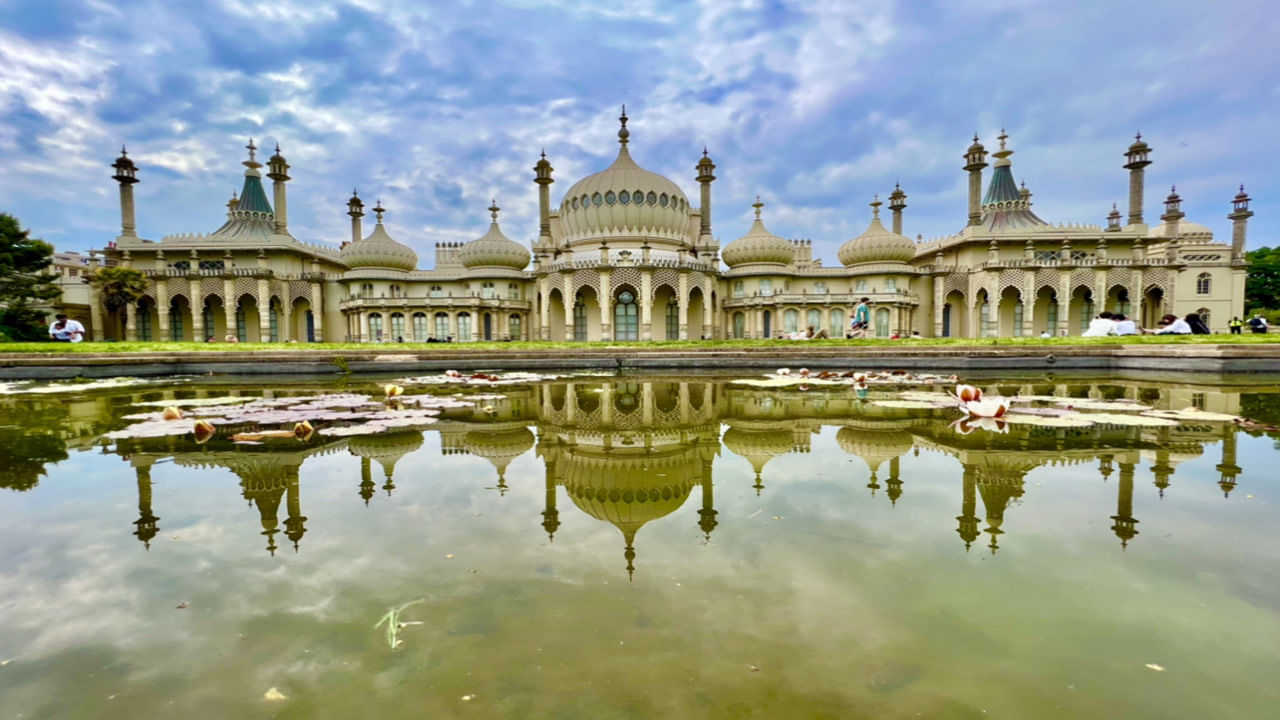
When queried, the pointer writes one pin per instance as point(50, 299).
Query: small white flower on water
point(784, 371)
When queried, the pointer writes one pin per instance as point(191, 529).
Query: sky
point(437, 108)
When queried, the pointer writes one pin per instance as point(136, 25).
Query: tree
point(118, 288)
point(1262, 288)
point(24, 280)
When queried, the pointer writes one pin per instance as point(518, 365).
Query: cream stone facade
point(626, 255)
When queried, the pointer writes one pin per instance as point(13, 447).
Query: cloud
point(815, 105)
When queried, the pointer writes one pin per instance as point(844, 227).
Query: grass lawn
point(682, 345)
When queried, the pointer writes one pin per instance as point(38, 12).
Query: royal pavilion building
point(626, 255)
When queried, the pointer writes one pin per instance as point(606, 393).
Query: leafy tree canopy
point(24, 281)
point(1262, 289)
point(118, 286)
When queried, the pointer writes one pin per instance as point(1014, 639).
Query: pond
point(639, 546)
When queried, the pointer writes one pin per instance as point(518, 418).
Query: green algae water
point(642, 547)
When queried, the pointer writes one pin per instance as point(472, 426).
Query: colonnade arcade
point(626, 303)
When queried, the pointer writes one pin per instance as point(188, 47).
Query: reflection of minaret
point(268, 502)
point(146, 522)
point(293, 525)
point(895, 483)
point(264, 480)
point(707, 515)
point(968, 529)
point(1124, 520)
point(999, 481)
point(1228, 467)
point(1104, 466)
point(367, 485)
point(550, 515)
point(1161, 467)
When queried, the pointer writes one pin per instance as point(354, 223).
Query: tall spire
point(253, 198)
point(623, 133)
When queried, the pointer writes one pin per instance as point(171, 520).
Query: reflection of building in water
point(631, 451)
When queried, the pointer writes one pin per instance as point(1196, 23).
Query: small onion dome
point(877, 244)
point(625, 197)
point(499, 448)
point(493, 249)
point(380, 250)
point(386, 448)
point(758, 446)
point(758, 246)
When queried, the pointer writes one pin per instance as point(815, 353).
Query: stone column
point(229, 304)
point(198, 333)
point(1029, 316)
point(131, 322)
point(264, 307)
point(706, 308)
point(646, 304)
point(286, 318)
point(95, 315)
point(569, 302)
point(939, 300)
point(606, 306)
point(317, 311)
point(683, 307)
point(363, 331)
point(162, 311)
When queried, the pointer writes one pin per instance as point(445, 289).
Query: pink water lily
point(968, 424)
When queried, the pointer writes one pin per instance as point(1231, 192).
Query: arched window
point(814, 318)
point(419, 327)
point(1203, 284)
point(397, 327)
point(790, 320)
point(375, 327)
point(739, 288)
point(580, 321)
point(437, 291)
point(673, 320)
point(1086, 312)
point(513, 327)
point(768, 324)
point(486, 324)
point(242, 332)
point(1052, 320)
point(882, 322)
point(273, 317)
point(1204, 315)
point(206, 320)
point(739, 326)
point(626, 317)
point(946, 320)
point(1018, 313)
point(464, 327)
point(442, 326)
point(984, 317)
point(766, 287)
point(836, 327)
point(144, 322)
point(175, 322)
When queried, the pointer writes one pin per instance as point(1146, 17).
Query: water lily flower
point(303, 430)
point(992, 406)
point(804, 372)
point(969, 423)
point(452, 373)
point(172, 413)
point(783, 371)
point(393, 391)
point(203, 430)
point(967, 394)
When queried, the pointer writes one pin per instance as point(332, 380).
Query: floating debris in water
point(1157, 668)
point(274, 695)
point(393, 623)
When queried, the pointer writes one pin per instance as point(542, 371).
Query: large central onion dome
point(877, 244)
point(493, 249)
point(625, 199)
point(380, 250)
point(758, 246)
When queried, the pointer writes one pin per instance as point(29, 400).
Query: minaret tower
point(707, 514)
point(897, 203)
point(1240, 214)
point(355, 208)
point(968, 529)
point(147, 521)
point(542, 178)
point(278, 171)
point(1123, 521)
point(706, 176)
point(126, 175)
point(1137, 155)
point(1228, 468)
point(975, 159)
point(1172, 216)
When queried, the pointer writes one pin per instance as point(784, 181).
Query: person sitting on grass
point(66, 330)
point(1171, 325)
point(1124, 326)
point(1100, 326)
point(1197, 324)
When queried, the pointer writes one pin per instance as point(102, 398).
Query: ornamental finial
point(253, 150)
point(493, 210)
point(875, 206)
point(378, 210)
point(623, 133)
point(757, 205)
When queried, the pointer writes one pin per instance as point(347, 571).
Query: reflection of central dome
point(625, 199)
point(386, 448)
point(499, 448)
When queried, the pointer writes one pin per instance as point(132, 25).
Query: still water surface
point(642, 547)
